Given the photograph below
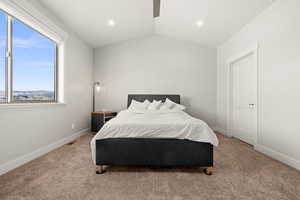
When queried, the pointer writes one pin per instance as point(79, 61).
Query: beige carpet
point(68, 173)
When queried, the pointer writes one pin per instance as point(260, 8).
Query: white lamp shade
point(98, 88)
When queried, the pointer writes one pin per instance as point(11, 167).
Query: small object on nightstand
point(100, 118)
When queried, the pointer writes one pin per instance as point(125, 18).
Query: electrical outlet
point(73, 126)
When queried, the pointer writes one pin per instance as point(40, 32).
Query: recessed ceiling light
point(111, 22)
point(199, 23)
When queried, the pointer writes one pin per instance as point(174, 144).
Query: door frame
point(250, 51)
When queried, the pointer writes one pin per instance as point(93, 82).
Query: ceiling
point(134, 18)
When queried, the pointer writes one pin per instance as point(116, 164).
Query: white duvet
point(155, 124)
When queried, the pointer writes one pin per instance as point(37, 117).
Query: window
point(2, 56)
point(30, 73)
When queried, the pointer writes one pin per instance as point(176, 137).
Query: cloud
point(31, 42)
point(26, 43)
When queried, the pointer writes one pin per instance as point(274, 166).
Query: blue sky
point(33, 58)
point(2, 51)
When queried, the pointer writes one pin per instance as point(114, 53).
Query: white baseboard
point(269, 152)
point(278, 156)
point(10, 165)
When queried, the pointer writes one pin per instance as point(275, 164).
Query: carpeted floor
point(68, 173)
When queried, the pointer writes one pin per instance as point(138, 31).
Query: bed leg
point(208, 170)
point(99, 169)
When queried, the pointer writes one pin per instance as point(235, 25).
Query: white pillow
point(154, 105)
point(167, 105)
point(136, 105)
point(170, 105)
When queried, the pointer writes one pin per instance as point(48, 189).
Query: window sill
point(29, 105)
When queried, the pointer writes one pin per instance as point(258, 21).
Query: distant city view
point(34, 58)
point(39, 95)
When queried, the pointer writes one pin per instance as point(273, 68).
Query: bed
point(152, 139)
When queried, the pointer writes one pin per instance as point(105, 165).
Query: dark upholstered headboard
point(151, 97)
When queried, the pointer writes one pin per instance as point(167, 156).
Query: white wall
point(158, 65)
point(24, 130)
point(277, 30)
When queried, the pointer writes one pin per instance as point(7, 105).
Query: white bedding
point(155, 124)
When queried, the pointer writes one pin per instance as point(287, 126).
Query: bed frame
point(153, 152)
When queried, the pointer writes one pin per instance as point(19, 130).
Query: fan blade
point(156, 8)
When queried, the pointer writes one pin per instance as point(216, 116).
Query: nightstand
point(100, 118)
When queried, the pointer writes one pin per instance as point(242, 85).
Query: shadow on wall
point(197, 112)
point(185, 101)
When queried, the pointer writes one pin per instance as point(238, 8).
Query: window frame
point(9, 99)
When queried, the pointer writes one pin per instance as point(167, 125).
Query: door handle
point(251, 106)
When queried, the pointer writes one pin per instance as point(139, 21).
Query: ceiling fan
point(156, 8)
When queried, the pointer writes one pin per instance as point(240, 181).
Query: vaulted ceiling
point(134, 18)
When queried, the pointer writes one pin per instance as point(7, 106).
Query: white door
point(244, 99)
